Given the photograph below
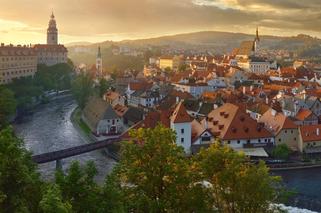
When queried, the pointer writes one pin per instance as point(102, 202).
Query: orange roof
point(112, 95)
point(230, 122)
point(50, 47)
point(303, 114)
point(310, 133)
point(276, 122)
point(120, 109)
point(180, 114)
point(140, 85)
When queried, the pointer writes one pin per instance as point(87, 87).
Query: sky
point(25, 21)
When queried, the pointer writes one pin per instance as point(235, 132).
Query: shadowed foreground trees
point(154, 175)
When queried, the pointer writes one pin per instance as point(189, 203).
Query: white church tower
point(99, 64)
point(181, 123)
point(52, 31)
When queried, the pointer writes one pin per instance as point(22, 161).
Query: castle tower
point(99, 64)
point(52, 31)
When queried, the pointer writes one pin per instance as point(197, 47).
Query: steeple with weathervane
point(52, 31)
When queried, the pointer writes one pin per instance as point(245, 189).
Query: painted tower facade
point(52, 31)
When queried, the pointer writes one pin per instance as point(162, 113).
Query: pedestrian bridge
point(73, 151)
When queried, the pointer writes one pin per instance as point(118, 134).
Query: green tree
point(8, 105)
point(281, 151)
point(155, 176)
point(52, 201)
point(82, 89)
point(20, 186)
point(103, 87)
point(56, 77)
point(112, 196)
point(235, 184)
point(79, 188)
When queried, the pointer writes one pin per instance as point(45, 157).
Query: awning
point(253, 152)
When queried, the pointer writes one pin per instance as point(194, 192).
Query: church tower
point(52, 31)
point(257, 42)
point(99, 64)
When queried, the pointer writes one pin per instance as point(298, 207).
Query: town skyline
point(121, 20)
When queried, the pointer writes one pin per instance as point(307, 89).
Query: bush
point(281, 151)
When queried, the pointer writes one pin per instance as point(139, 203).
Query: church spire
point(257, 38)
point(99, 53)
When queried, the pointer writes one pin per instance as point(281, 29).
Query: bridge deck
point(73, 151)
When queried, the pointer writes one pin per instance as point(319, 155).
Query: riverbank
point(295, 166)
point(112, 151)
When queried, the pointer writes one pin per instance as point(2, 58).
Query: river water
point(50, 129)
point(307, 185)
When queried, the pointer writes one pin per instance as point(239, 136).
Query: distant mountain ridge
point(212, 41)
point(209, 39)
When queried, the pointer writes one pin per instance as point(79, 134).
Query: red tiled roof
point(310, 133)
point(50, 47)
point(230, 122)
point(180, 114)
point(112, 95)
point(140, 85)
point(303, 114)
point(276, 122)
point(120, 109)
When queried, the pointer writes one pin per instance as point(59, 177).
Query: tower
point(181, 123)
point(257, 42)
point(99, 64)
point(52, 31)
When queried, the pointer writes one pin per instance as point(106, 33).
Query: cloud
point(94, 19)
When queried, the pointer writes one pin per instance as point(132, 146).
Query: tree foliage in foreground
point(8, 105)
point(154, 175)
point(19, 182)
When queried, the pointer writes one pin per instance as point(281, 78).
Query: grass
point(80, 122)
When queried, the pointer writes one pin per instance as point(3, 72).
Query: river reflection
point(50, 129)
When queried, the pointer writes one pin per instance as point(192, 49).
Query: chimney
point(251, 88)
point(177, 99)
point(266, 100)
point(244, 90)
point(318, 131)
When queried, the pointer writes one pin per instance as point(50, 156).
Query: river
point(50, 129)
point(307, 185)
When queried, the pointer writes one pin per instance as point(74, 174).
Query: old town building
point(16, 62)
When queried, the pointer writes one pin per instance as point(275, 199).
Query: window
point(295, 139)
point(182, 140)
point(238, 142)
point(286, 131)
point(228, 142)
point(182, 131)
point(280, 140)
